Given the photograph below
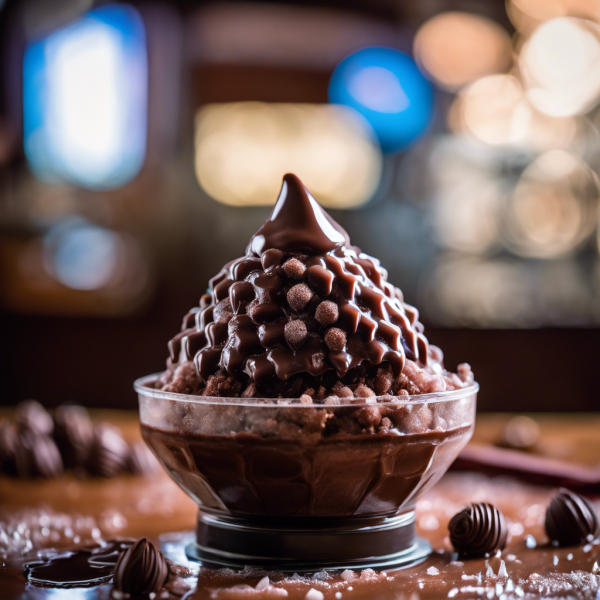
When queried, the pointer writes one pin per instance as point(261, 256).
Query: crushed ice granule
point(596, 568)
point(555, 560)
point(348, 575)
point(530, 542)
point(588, 548)
point(313, 594)
point(519, 592)
point(457, 563)
point(502, 572)
point(338, 595)
point(510, 586)
point(432, 571)
point(499, 589)
point(569, 556)
point(321, 575)
point(489, 572)
point(263, 584)
point(511, 557)
point(350, 588)
point(453, 592)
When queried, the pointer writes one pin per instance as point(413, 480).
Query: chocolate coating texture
point(141, 569)
point(478, 529)
point(571, 519)
point(299, 268)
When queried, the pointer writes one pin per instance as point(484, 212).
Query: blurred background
point(142, 143)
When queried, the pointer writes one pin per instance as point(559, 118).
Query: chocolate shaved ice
point(265, 327)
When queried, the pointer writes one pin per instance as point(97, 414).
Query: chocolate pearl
point(295, 333)
point(293, 268)
point(33, 416)
point(570, 519)
point(141, 570)
point(299, 296)
point(335, 339)
point(478, 529)
point(327, 313)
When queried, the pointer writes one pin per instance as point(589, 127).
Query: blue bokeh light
point(85, 96)
point(387, 88)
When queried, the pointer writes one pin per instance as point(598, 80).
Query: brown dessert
point(302, 406)
point(304, 313)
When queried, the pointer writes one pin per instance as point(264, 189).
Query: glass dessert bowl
point(299, 486)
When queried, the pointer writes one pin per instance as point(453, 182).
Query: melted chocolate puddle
point(78, 568)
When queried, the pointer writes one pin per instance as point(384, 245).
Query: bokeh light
point(244, 149)
point(559, 65)
point(526, 15)
point(387, 88)
point(85, 100)
point(554, 206)
point(81, 255)
point(456, 48)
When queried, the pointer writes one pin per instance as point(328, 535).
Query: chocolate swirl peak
point(298, 224)
point(478, 529)
point(302, 303)
point(570, 519)
point(141, 570)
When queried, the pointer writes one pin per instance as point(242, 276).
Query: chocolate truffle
point(335, 338)
point(295, 333)
point(33, 416)
point(36, 455)
point(141, 570)
point(478, 529)
point(293, 268)
point(327, 313)
point(570, 519)
point(299, 296)
point(74, 434)
point(109, 453)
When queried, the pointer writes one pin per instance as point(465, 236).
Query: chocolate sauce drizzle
point(84, 567)
point(241, 327)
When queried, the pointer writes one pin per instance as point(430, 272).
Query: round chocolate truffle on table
point(477, 530)
point(74, 434)
point(109, 454)
point(141, 570)
point(571, 519)
point(33, 416)
point(36, 455)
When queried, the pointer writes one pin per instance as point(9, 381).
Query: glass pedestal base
point(308, 545)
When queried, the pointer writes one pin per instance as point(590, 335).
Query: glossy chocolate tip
point(298, 224)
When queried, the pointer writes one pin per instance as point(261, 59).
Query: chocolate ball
point(299, 296)
point(478, 529)
point(141, 570)
point(293, 268)
point(570, 519)
point(295, 333)
point(327, 313)
point(335, 339)
point(33, 416)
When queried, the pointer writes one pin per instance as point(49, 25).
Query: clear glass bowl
point(282, 483)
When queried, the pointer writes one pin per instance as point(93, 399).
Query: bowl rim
point(141, 387)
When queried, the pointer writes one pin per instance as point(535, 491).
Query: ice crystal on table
point(432, 571)
point(502, 572)
point(530, 542)
point(313, 594)
point(348, 575)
